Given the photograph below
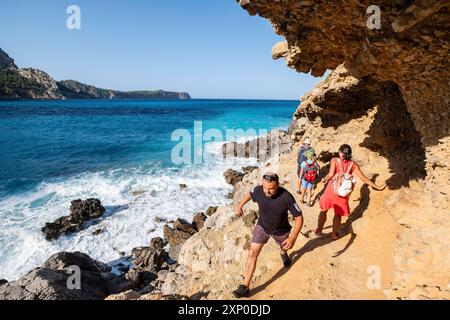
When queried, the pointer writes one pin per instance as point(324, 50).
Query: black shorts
point(261, 237)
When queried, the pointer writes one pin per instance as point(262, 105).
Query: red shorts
point(261, 237)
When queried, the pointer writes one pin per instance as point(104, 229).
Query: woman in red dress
point(330, 199)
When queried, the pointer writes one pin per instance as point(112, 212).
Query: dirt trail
point(324, 269)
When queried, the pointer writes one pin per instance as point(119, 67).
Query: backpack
point(310, 172)
point(301, 157)
point(343, 182)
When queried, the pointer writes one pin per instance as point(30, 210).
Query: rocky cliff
point(30, 83)
point(400, 74)
point(388, 96)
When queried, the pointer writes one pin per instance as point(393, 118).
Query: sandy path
point(323, 269)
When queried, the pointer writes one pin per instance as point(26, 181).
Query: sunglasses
point(270, 178)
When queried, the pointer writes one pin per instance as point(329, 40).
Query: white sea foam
point(133, 198)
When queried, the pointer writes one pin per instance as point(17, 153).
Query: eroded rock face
point(232, 176)
point(398, 75)
point(411, 49)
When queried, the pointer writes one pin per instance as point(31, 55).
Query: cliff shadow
point(394, 136)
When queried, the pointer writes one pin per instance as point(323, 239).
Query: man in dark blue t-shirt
point(274, 203)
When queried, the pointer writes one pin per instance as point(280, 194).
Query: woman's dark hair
point(346, 150)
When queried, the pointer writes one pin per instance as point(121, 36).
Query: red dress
point(330, 200)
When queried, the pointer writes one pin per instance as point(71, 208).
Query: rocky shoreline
point(140, 275)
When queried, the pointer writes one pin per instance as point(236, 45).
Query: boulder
point(183, 225)
point(232, 176)
point(181, 231)
point(199, 220)
point(80, 212)
point(150, 259)
point(51, 282)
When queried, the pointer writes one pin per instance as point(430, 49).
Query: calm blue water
point(119, 151)
point(47, 139)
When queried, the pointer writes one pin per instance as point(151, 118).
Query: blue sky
point(210, 48)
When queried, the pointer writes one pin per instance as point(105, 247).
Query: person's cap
point(270, 176)
point(307, 141)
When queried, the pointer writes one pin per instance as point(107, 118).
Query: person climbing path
point(274, 202)
point(339, 185)
point(309, 173)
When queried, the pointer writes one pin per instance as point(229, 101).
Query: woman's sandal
point(335, 236)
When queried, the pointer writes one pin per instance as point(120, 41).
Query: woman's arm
point(331, 172)
point(301, 173)
point(366, 180)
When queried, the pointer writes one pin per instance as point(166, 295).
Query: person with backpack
point(301, 158)
point(309, 172)
point(340, 183)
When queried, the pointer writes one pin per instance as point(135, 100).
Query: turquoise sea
point(119, 151)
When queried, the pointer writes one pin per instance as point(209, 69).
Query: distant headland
point(28, 83)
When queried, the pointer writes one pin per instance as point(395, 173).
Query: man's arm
point(289, 242)
point(239, 210)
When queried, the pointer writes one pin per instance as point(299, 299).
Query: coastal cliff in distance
point(31, 83)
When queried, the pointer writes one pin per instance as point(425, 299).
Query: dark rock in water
point(211, 210)
point(51, 281)
point(97, 232)
point(3, 281)
point(80, 211)
point(249, 169)
point(160, 220)
point(199, 220)
point(232, 176)
point(183, 186)
point(250, 219)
